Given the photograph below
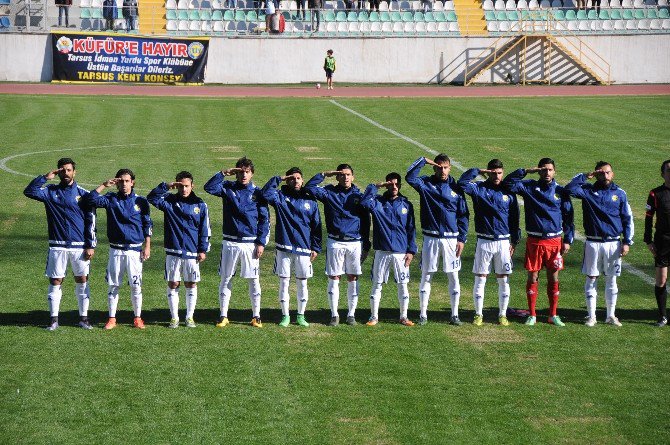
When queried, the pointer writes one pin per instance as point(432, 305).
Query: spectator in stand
point(63, 10)
point(269, 13)
point(109, 13)
point(302, 5)
point(427, 5)
point(374, 5)
point(130, 13)
point(316, 6)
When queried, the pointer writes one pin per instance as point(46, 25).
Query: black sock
point(661, 299)
point(54, 320)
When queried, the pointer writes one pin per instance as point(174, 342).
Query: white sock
point(303, 295)
point(283, 295)
point(173, 302)
point(255, 296)
point(503, 295)
point(478, 294)
point(113, 300)
point(591, 293)
point(82, 292)
point(225, 290)
point(403, 299)
point(375, 297)
point(352, 297)
point(454, 292)
point(136, 300)
point(424, 293)
point(611, 294)
point(54, 295)
point(333, 296)
point(191, 300)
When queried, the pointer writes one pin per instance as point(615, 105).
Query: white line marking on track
point(626, 266)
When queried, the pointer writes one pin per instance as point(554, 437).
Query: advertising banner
point(99, 57)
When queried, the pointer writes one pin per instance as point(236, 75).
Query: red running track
point(347, 91)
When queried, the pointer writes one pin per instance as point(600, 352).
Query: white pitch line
point(626, 266)
point(396, 134)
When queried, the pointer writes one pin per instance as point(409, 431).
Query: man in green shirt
point(329, 67)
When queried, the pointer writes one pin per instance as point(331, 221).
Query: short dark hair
point(662, 165)
point(393, 175)
point(330, 51)
point(65, 161)
point(442, 158)
point(125, 171)
point(343, 166)
point(494, 163)
point(246, 163)
point(183, 175)
point(545, 161)
point(293, 170)
point(601, 164)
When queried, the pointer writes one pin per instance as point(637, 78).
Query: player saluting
point(444, 224)
point(607, 216)
point(246, 228)
point(497, 227)
point(297, 238)
point(128, 227)
point(549, 216)
point(71, 236)
point(394, 241)
point(187, 234)
point(659, 203)
point(348, 227)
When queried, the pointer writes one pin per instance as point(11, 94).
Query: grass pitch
point(382, 385)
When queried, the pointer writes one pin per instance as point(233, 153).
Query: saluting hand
point(231, 171)
point(52, 174)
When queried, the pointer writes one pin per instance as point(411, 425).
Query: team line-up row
point(348, 212)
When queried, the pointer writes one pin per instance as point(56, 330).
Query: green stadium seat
point(440, 16)
point(604, 14)
point(352, 16)
point(513, 16)
point(571, 15)
point(407, 16)
point(429, 16)
point(341, 16)
point(639, 14)
point(581, 15)
point(170, 14)
point(217, 15)
point(228, 15)
point(396, 17)
point(490, 16)
point(384, 16)
point(419, 17)
point(329, 16)
point(96, 13)
point(85, 13)
point(182, 15)
point(652, 13)
point(194, 15)
point(363, 16)
point(627, 14)
point(374, 16)
point(240, 16)
point(501, 16)
point(616, 14)
point(592, 15)
point(451, 16)
point(664, 14)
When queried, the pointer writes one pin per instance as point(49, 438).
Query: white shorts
point(120, 262)
point(57, 260)
point(383, 263)
point(232, 252)
point(286, 262)
point(343, 258)
point(492, 251)
point(433, 248)
point(177, 268)
point(602, 257)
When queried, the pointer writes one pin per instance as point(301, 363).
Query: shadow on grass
point(160, 317)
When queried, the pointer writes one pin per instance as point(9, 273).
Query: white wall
point(633, 59)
